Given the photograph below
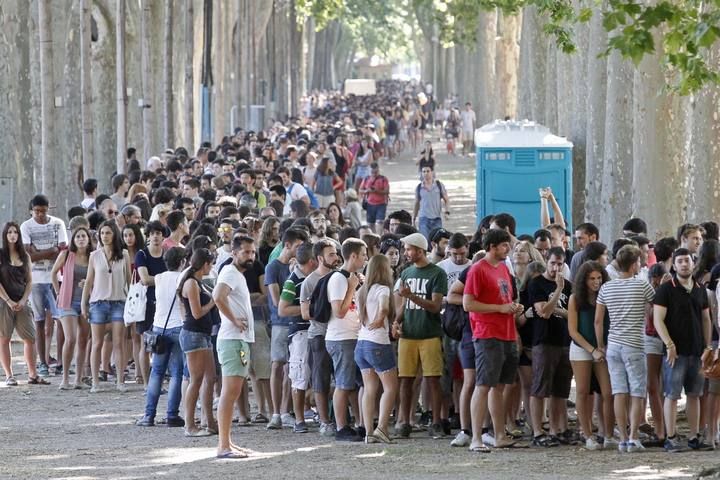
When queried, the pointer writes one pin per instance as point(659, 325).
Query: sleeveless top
point(79, 274)
point(202, 324)
point(586, 325)
point(12, 279)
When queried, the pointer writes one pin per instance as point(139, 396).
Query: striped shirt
point(625, 300)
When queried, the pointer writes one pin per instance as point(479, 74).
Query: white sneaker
point(275, 423)
point(611, 442)
point(95, 389)
point(327, 429)
point(488, 439)
point(635, 446)
point(461, 440)
point(287, 420)
point(121, 387)
point(66, 386)
point(592, 444)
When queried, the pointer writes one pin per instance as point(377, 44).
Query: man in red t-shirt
point(376, 190)
point(488, 297)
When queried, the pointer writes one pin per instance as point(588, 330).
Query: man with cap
point(422, 286)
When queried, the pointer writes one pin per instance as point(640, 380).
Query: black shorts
point(321, 365)
point(496, 362)
point(552, 373)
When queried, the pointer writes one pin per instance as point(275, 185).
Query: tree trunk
point(506, 66)
point(147, 112)
point(296, 36)
point(485, 66)
point(88, 160)
point(168, 132)
point(47, 100)
point(189, 84)
point(121, 88)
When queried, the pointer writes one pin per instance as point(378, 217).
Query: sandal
point(37, 381)
point(260, 418)
point(479, 448)
point(232, 455)
point(11, 382)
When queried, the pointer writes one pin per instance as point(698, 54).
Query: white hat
point(416, 240)
point(351, 193)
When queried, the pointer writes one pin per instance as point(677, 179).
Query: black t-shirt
point(252, 276)
point(264, 253)
point(526, 331)
point(391, 127)
point(684, 315)
point(154, 265)
point(552, 331)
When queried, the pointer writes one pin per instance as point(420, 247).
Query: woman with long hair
point(585, 358)
point(325, 178)
point(708, 257)
point(597, 252)
point(133, 242)
point(334, 215)
point(390, 247)
point(269, 237)
point(363, 159)
point(103, 300)
point(73, 263)
point(196, 343)
point(15, 314)
point(373, 352)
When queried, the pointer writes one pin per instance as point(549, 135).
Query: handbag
point(155, 342)
point(136, 303)
point(711, 370)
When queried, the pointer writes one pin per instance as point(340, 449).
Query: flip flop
point(479, 449)
point(199, 433)
point(37, 381)
point(260, 418)
point(231, 455)
point(511, 445)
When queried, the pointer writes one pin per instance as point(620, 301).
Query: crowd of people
point(249, 267)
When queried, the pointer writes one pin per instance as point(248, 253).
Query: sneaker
point(635, 446)
point(488, 439)
point(405, 430)
point(610, 442)
point(381, 436)
point(175, 422)
point(95, 389)
point(58, 370)
point(592, 444)
point(347, 434)
point(445, 424)
point(275, 423)
point(287, 420)
point(425, 419)
point(360, 431)
point(65, 386)
point(121, 387)
point(544, 440)
point(327, 429)
point(436, 431)
point(145, 422)
point(623, 447)
point(43, 370)
point(672, 444)
point(309, 414)
point(300, 428)
point(371, 439)
point(698, 443)
point(462, 439)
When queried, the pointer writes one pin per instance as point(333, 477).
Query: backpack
point(311, 195)
point(453, 320)
point(320, 307)
point(441, 189)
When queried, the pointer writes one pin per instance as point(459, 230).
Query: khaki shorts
point(260, 352)
point(21, 322)
point(427, 353)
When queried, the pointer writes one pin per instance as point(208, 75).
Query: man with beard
point(225, 232)
point(438, 243)
point(236, 332)
point(681, 316)
point(325, 252)
point(319, 225)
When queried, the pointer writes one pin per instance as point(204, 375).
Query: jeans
point(172, 360)
point(426, 225)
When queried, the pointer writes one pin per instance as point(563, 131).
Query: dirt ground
point(52, 434)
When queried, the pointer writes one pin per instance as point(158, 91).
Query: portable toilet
point(516, 159)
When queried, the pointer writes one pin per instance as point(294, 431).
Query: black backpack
point(320, 307)
point(453, 321)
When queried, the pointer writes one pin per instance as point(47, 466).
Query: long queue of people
point(233, 268)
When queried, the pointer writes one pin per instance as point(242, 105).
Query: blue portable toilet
point(514, 160)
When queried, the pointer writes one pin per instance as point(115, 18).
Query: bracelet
point(709, 348)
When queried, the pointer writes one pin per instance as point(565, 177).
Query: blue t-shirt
point(154, 265)
point(275, 274)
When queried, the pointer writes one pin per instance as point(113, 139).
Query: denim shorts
point(467, 349)
point(107, 311)
point(654, 346)
point(194, 341)
point(73, 311)
point(342, 353)
point(376, 213)
point(628, 370)
point(42, 298)
point(376, 356)
point(685, 373)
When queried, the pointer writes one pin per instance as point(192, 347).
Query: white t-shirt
point(377, 296)
point(452, 270)
point(165, 289)
point(239, 302)
point(43, 236)
point(294, 192)
point(341, 328)
point(87, 203)
point(221, 256)
point(467, 118)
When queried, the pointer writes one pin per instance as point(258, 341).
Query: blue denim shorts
point(42, 299)
point(342, 353)
point(685, 373)
point(628, 370)
point(73, 311)
point(106, 311)
point(193, 341)
point(376, 213)
point(376, 356)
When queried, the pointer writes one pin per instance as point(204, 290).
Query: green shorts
point(234, 356)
